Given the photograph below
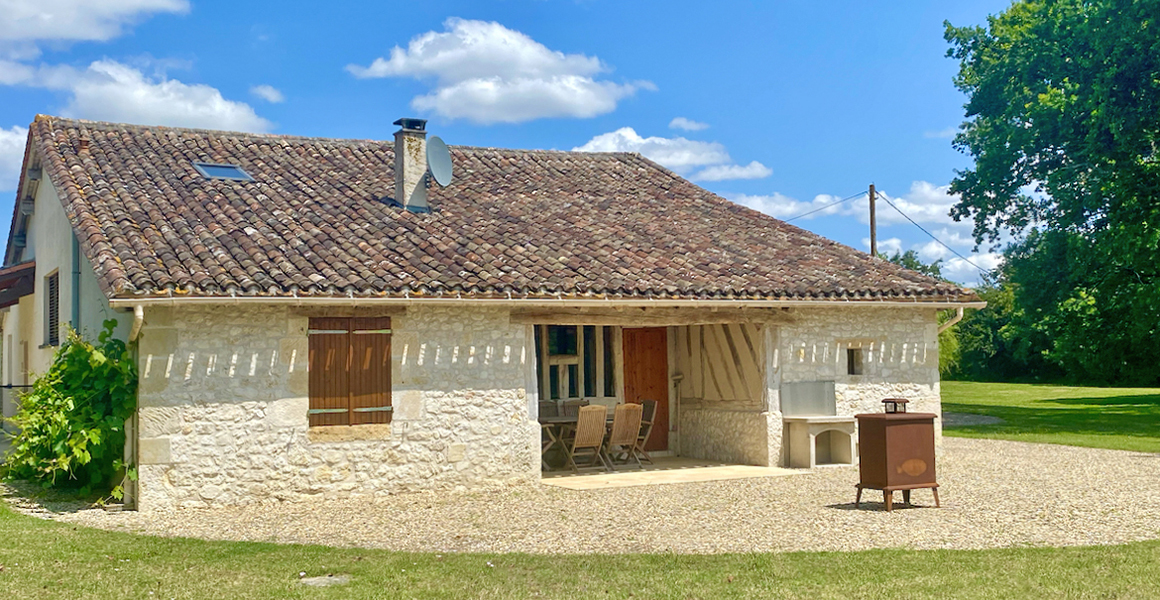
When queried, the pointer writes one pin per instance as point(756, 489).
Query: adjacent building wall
point(50, 243)
point(224, 399)
point(18, 345)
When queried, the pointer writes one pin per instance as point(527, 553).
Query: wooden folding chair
point(625, 431)
point(648, 416)
point(551, 434)
point(589, 437)
point(572, 406)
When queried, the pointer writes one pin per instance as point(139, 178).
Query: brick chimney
point(411, 164)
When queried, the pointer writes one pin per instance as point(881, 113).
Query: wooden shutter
point(329, 371)
point(350, 371)
point(52, 311)
point(370, 372)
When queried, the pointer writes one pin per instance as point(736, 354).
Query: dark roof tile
point(525, 222)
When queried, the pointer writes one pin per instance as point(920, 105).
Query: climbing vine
point(72, 420)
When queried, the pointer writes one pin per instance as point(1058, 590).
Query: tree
point(1064, 99)
point(1063, 124)
point(910, 260)
point(999, 342)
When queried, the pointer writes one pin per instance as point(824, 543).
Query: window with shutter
point(350, 371)
point(52, 310)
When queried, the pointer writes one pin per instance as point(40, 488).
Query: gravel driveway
point(994, 494)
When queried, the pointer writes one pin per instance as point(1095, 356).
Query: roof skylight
point(220, 171)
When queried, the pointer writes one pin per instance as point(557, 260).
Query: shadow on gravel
point(27, 496)
point(877, 506)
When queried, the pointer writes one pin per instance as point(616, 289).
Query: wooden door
point(646, 377)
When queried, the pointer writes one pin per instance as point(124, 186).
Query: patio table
point(554, 428)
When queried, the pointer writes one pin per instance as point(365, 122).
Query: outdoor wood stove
point(896, 450)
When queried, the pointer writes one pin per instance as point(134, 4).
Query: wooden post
point(873, 226)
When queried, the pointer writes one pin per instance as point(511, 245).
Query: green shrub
point(72, 420)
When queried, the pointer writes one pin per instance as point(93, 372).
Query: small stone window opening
point(853, 361)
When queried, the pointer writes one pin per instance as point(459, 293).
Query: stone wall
point(224, 400)
point(900, 356)
point(900, 359)
point(224, 397)
point(732, 436)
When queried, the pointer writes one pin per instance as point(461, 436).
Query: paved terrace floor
point(994, 494)
point(666, 469)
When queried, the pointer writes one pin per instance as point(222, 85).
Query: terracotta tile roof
point(529, 223)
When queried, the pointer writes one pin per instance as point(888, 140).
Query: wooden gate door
point(646, 377)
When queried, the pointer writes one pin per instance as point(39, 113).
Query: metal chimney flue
point(411, 164)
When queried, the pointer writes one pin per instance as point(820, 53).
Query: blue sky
point(782, 106)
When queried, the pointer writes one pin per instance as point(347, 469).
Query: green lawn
point(52, 560)
point(1117, 418)
point(41, 559)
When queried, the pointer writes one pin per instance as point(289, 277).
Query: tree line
point(1062, 122)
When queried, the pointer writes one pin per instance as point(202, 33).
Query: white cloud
point(775, 205)
point(108, 89)
point(784, 207)
point(932, 251)
point(487, 73)
point(13, 73)
point(753, 170)
point(77, 20)
point(268, 93)
point(952, 267)
point(926, 203)
point(677, 153)
point(11, 156)
point(957, 269)
point(889, 247)
point(941, 134)
point(687, 124)
point(111, 91)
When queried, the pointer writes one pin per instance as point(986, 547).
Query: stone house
point(312, 317)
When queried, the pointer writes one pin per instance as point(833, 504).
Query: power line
point(886, 199)
point(806, 214)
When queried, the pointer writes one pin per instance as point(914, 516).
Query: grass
point(1116, 418)
point(44, 560)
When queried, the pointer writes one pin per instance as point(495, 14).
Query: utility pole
point(873, 226)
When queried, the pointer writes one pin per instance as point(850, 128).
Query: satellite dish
point(439, 161)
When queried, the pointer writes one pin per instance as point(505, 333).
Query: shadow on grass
point(1152, 401)
point(1134, 418)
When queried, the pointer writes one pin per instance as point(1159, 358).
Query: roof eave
point(932, 303)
